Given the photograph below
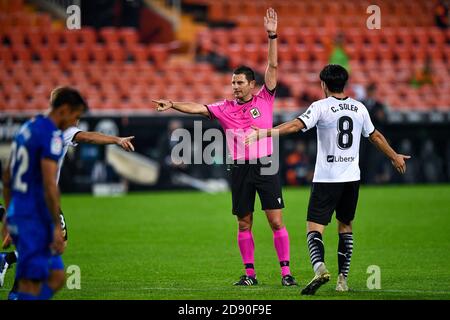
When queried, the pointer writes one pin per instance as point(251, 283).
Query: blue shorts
point(56, 263)
point(32, 239)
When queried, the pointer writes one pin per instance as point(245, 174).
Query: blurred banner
point(425, 138)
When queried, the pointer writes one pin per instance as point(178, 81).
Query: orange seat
point(53, 38)
point(301, 53)
point(45, 53)
point(43, 21)
point(35, 38)
point(81, 53)
point(435, 53)
point(319, 54)
point(421, 36)
point(419, 53)
point(99, 53)
point(6, 56)
point(116, 53)
point(87, 36)
point(402, 53)
point(22, 53)
point(385, 53)
point(16, 38)
point(368, 53)
point(389, 37)
point(109, 35)
point(139, 53)
point(64, 55)
point(129, 37)
point(159, 54)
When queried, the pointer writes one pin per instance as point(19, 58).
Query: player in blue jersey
point(71, 137)
point(32, 197)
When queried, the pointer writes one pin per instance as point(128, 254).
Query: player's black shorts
point(327, 197)
point(63, 224)
point(246, 180)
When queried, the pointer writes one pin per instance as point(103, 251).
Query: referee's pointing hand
point(163, 105)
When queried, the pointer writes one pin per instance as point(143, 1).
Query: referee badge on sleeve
point(255, 113)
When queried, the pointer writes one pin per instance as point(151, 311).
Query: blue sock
point(26, 296)
point(46, 292)
point(13, 295)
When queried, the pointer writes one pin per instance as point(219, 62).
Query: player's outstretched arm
point(103, 139)
point(270, 24)
point(185, 107)
point(6, 176)
point(281, 130)
point(49, 170)
point(397, 160)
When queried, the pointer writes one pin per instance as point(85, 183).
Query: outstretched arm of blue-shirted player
point(6, 177)
point(100, 138)
point(283, 129)
point(270, 24)
point(49, 170)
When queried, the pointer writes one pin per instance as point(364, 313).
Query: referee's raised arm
point(270, 24)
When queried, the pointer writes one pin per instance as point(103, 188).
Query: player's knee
point(245, 226)
point(344, 227)
point(276, 224)
point(57, 280)
point(245, 223)
point(29, 286)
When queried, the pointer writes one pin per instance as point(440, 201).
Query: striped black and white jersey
point(340, 124)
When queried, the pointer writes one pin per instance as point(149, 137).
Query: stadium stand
point(119, 72)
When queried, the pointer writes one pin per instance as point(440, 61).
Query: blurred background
point(127, 53)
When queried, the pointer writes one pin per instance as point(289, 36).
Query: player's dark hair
point(335, 77)
point(249, 74)
point(69, 96)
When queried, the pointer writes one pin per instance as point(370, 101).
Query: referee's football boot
point(246, 281)
point(288, 281)
point(322, 276)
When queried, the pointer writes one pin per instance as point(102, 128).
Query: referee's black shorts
point(326, 197)
point(246, 180)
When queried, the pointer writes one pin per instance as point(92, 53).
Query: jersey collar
point(242, 103)
point(342, 99)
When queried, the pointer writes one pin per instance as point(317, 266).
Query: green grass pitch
point(182, 245)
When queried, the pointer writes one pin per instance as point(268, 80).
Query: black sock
point(316, 248)
point(2, 212)
point(345, 250)
point(15, 287)
point(11, 258)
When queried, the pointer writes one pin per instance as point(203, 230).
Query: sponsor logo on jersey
point(332, 158)
point(306, 114)
point(255, 113)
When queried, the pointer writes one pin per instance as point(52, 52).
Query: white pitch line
point(401, 291)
